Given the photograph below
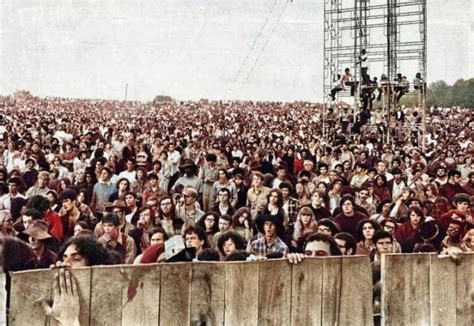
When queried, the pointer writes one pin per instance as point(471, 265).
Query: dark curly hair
point(87, 246)
point(239, 241)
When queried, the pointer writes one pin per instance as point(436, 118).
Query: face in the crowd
point(415, 219)
point(43, 182)
point(120, 213)
point(384, 246)
point(316, 200)
point(342, 246)
point(273, 198)
point(243, 217)
point(192, 240)
point(389, 227)
point(269, 229)
point(152, 182)
point(145, 218)
point(224, 225)
point(157, 238)
point(285, 192)
point(130, 201)
point(324, 230)
point(363, 195)
point(35, 244)
point(166, 206)
point(381, 167)
point(77, 228)
point(317, 249)
point(188, 199)
point(223, 197)
point(323, 170)
point(72, 258)
point(368, 230)
point(462, 206)
point(256, 181)
point(104, 175)
point(109, 228)
point(347, 207)
point(12, 188)
point(27, 220)
point(281, 174)
point(209, 222)
point(454, 231)
point(123, 185)
point(68, 204)
point(305, 218)
point(229, 246)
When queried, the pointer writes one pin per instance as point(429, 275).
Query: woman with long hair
point(305, 224)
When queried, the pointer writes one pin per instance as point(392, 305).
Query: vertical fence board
point(175, 294)
point(405, 292)
point(141, 294)
point(465, 290)
point(241, 297)
point(331, 290)
point(31, 286)
point(106, 295)
point(356, 278)
point(442, 296)
point(274, 292)
point(306, 290)
point(208, 294)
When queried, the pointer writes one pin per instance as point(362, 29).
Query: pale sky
point(191, 49)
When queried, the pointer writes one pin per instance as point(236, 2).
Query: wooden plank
point(241, 297)
point(442, 294)
point(331, 290)
point(306, 291)
point(3, 296)
point(274, 293)
point(175, 294)
point(140, 294)
point(405, 292)
point(28, 287)
point(356, 292)
point(465, 290)
point(208, 293)
point(106, 296)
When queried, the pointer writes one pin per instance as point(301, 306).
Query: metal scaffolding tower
point(393, 32)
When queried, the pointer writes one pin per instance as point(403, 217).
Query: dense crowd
point(88, 182)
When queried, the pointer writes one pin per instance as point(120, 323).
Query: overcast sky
point(191, 49)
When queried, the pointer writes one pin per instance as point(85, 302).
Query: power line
point(264, 45)
point(253, 46)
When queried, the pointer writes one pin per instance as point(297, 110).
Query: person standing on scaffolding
point(364, 66)
point(344, 80)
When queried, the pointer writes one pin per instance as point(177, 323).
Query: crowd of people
point(92, 182)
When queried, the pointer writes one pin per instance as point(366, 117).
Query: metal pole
point(126, 90)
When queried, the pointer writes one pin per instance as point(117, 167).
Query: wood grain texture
point(241, 298)
point(306, 292)
point(405, 292)
point(208, 293)
point(442, 291)
point(106, 295)
point(141, 294)
point(274, 292)
point(356, 281)
point(28, 287)
point(175, 294)
point(332, 270)
point(465, 290)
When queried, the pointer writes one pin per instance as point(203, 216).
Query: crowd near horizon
point(87, 182)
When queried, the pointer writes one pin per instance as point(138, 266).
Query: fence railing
point(418, 289)
point(326, 291)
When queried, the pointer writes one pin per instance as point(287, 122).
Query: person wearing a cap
point(189, 177)
point(119, 208)
point(427, 238)
point(189, 211)
point(453, 186)
point(271, 227)
point(116, 241)
point(70, 213)
point(38, 235)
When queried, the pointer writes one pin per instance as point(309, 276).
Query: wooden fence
point(424, 289)
point(319, 291)
point(419, 289)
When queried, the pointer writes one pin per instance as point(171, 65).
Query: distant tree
point(163, 98)
point(461, 93)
